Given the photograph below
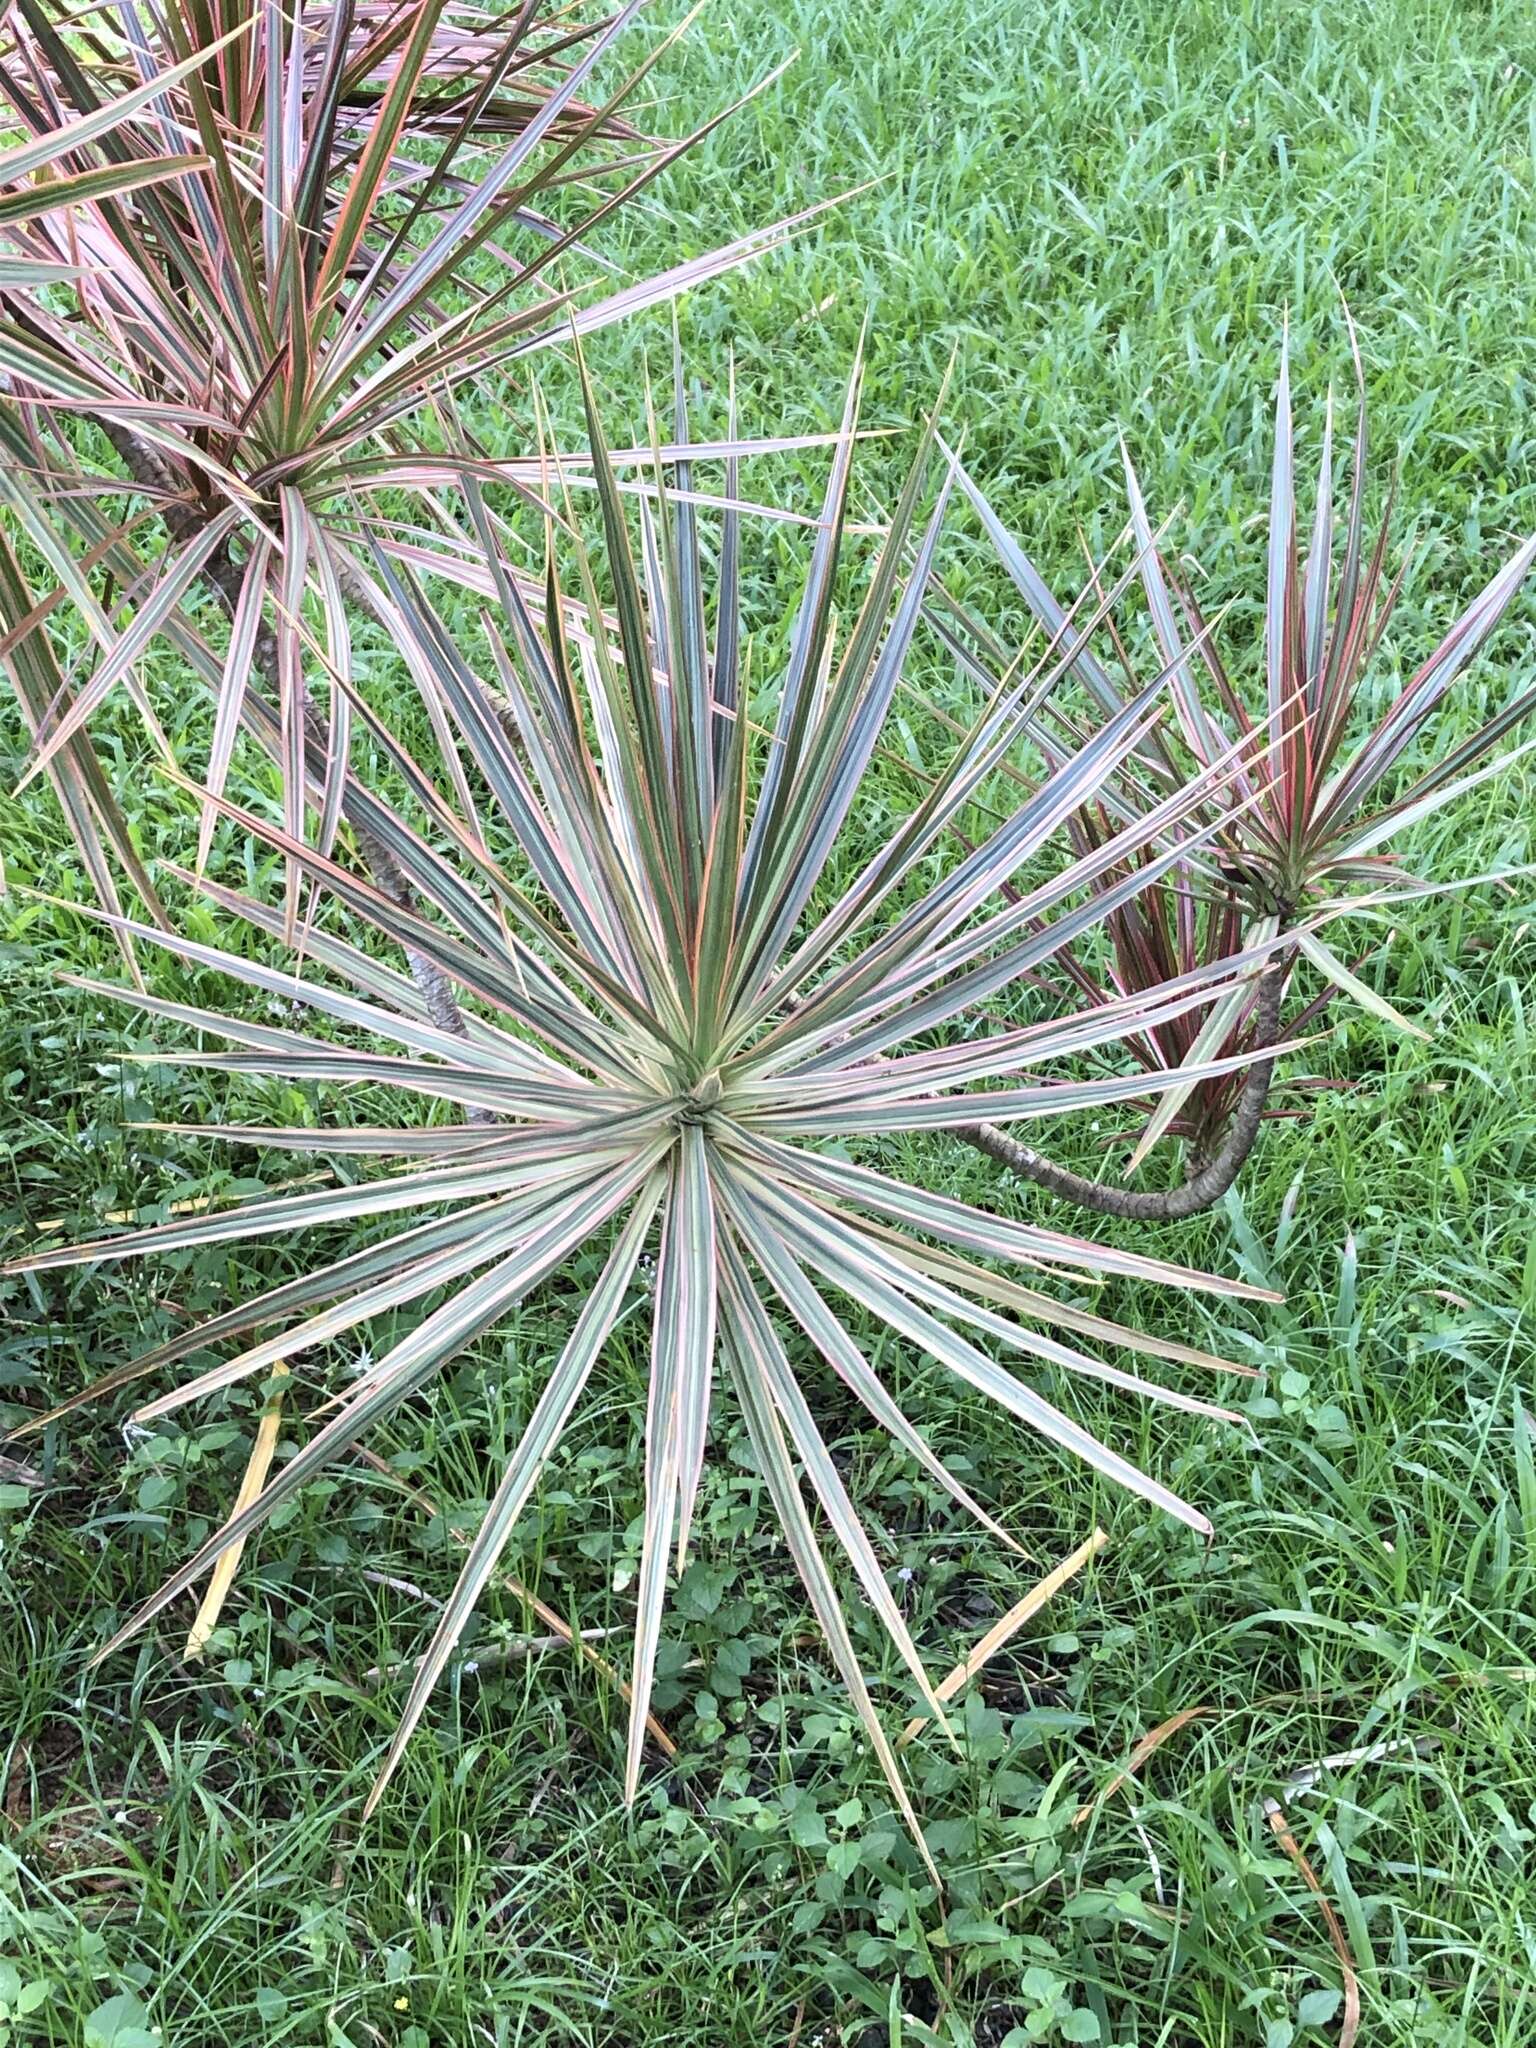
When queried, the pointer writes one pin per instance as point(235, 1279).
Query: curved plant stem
point(1210, 1178)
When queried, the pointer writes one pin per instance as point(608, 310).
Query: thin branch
point(494, 1655)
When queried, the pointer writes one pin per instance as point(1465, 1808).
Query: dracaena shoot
point(1317, 797)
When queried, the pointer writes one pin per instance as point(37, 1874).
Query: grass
point(1103, 214)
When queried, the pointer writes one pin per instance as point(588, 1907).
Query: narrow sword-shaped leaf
point(1333, 969)
point(816, 1462)
point(54, 195)
point(778, 1475)
point(561, 1392)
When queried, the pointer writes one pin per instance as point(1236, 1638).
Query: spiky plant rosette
point(677, 1001)
point(1320, 793)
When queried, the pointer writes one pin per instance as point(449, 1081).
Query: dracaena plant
point(266, 291)
point(682, 990)
point(1317, 794)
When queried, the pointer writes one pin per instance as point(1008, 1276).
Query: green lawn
point(1103, 213)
